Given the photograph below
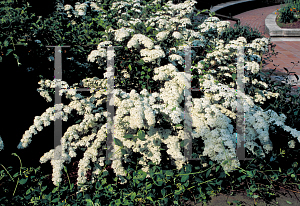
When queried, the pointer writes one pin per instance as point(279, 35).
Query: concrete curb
point(274, 30)
point(268, 22)
point(223, 5)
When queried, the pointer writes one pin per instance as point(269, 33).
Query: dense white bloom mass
point(211, 120)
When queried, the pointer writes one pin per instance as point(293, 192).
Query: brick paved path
point(288, 51)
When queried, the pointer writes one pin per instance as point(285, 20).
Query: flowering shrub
point(288, 13)
point(142, 116)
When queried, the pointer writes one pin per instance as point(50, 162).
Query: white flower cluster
point(80, 9)
point(101, 52)
point(68, 8)
point(161, 36)
point(211, 120)
point(176, 57)
point(184, 9)
point(210, 23)
point(177, 35)
point(222, 53)
point(138, 39)
point(55, 83)
point(292, 144)
point(94, 7)
point(122, 33)
point(51, 58)
point(153, 54)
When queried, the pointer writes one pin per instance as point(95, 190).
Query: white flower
point(175, 57)
point(291, 144)
point(68, 7)
point(94, 54)
point(177, 35)
point(94, 6)
point(51, 58)
point(161, 36)
point(121, 34)
point(211, 120)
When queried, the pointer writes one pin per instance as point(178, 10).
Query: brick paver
point(288, 51)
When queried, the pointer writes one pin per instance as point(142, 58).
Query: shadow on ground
point(283, 197)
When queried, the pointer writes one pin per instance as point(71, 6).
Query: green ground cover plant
point(165, 184)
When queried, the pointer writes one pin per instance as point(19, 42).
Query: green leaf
point(80, 48)
point(6, 43)
point(220, 182)
point(118, 142)
point(141, 62)
point(98, 185)
point(129, 66)
point(177, 192)
point(169, 173)
point(43, 188)
point(16, 174)
point(233, 76)
point(23, 181)
point(224, 162)
point(89, 202)
point(55, 200)
point(123, 151)
point(149, 198)
point(208, 172)
point(78, 121)
point(148, 186)
point(288, 202)
point(290, 171)
point(184, 178)
point(217, 168)
point(159, 181)
point(28, 191)
point(174, 109)
point(163, 192)
point(188, 168)
point(133, 195)
point(54, 190)
point(72, 185)
point(98, 166)
point(9, 51)
point(141, 135)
